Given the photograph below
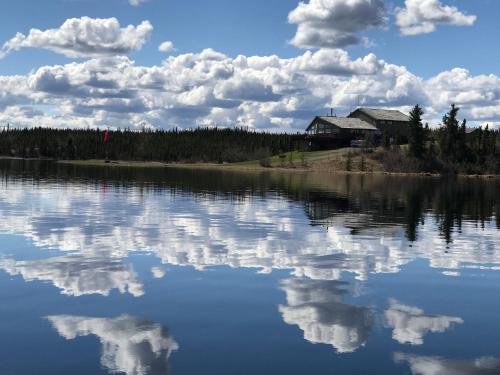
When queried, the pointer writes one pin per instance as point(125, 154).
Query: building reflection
point(129, 345)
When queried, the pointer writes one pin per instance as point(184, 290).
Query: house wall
point(394, 128)
point(391, 128)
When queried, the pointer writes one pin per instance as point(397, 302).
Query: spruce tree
point(450, 134)
point(417, 137)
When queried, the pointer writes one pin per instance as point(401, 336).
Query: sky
point(267, 65)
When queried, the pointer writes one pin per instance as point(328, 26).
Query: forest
point(452, 148)
point(199, 145)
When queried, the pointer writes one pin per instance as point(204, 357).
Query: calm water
point(182, 272)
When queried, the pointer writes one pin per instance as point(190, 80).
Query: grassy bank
point(344, 160)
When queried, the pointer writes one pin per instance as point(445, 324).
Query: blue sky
point(458, 34)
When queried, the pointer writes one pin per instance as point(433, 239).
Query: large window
point(321, 128)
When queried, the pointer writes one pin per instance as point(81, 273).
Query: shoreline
point(242, 167)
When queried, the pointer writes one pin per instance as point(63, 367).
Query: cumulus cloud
point(263, 92)
point(245, 88)
point(423, 16)
point(84, 37)
point(209, 88)
point(334, 23)
point(130, 345)
point(166, 46)
point(410, 324)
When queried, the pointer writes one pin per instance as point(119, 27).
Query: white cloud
point(411, 324)
point(84, 37)
point(423, 16)
point(129, 345)
point(166, 46)
point(136, 3)
point(210, 88)
point(334, 23)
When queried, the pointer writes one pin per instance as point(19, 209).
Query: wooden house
point(331, 131)
point(393, 123)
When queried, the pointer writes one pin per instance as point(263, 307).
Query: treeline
point(199, 145)
point(449, 149)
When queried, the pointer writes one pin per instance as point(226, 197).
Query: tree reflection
point(377, 202)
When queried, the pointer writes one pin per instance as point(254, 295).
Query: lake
point(172, 271)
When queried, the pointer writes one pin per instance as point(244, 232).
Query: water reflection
point(316, 307)
point(410, 324)
point(129, 345)
point(422, 365)
point(78, 275)
point(366, 233)
point(317, 227)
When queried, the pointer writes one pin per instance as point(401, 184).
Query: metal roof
point(348, 123)
point(384, 114)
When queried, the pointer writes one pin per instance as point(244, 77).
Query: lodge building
point(331, 131)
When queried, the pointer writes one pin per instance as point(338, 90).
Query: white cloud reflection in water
point(96, 227)
point(316, 307)
point(410, 324)
point(95, 231)
point(422, 365)
point(129, 345)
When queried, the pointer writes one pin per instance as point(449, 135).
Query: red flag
point(106, 136)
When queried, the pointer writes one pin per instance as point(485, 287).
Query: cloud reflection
point(78, 275)
point(129, 345)
point(316, 307)
point(410, 324)
point(101, 229)
point(422, 365)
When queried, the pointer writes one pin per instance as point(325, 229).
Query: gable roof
point(383, 114)
point(471, 130)
point(345, 123)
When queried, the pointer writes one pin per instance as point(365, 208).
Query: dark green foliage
point(447, 150)
point(416, 137)
point(450, 139)
point(199, 145)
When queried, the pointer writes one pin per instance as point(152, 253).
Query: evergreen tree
point(417, 136)
point(449, 135)
point(198, 145)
